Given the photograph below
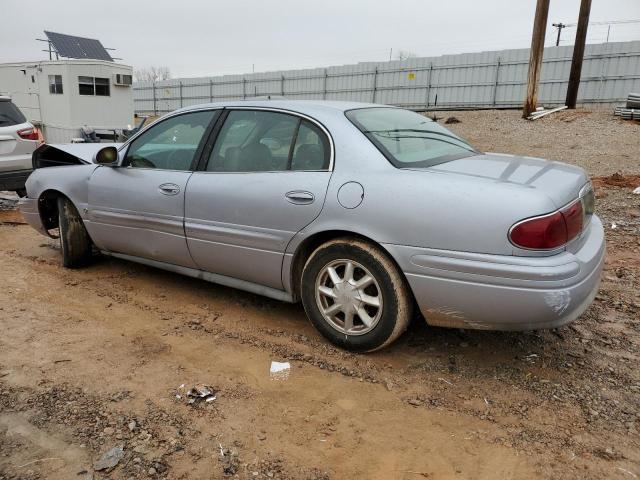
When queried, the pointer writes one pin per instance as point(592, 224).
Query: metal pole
point(375, 85)
point(180, 94)
point(324, 85)
point(244, 88)
point(578, 54)
point(155, 109)
point(428, 93)
point(559, 26)
point(535, 57)
point(282, 85)
point(210, 91)
point(495, 83)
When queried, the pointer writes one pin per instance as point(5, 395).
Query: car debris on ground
point(196, 394)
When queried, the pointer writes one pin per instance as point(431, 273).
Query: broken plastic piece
point(197, 393)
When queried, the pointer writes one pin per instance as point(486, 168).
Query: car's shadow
point(479, 349)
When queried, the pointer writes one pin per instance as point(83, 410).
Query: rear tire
point(74, 239)
point(355, 295)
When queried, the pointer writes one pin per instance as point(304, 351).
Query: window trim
point(124, 149)
point(202, 165)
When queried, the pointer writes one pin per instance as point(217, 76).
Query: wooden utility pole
point(578, 54)
point(535, 57)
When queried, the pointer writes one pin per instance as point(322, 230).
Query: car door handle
point(169, 189)
point(300, 197)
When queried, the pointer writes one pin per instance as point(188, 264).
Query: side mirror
point(107, 156)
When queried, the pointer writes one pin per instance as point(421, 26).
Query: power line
point(612, 22)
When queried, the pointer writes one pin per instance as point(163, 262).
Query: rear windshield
point(9, 114)
point(407, 139)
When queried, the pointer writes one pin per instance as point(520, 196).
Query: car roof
point(4, 98)
point(300, 106)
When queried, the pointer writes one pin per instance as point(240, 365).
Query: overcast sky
point(200, 37)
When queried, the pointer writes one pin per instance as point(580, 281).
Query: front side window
point(407, 139)
point(94, 86)
point(264, 141)
point(55, 84)
point(171, 144)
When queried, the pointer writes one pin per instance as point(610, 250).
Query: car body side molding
point(210, 277)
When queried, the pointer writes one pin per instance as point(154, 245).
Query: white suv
point(18, 140)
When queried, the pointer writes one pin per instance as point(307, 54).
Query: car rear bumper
point(494, 292)
point(14, 180)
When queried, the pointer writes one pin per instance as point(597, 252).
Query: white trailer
point(62, 96)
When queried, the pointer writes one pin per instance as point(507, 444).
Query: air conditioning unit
point(122, 80)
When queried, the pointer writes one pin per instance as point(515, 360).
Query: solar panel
point(77, 47)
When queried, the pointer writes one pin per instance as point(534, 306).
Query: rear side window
point(10, 115)
point(311, 151)
point(265, 141)
point(407, 139)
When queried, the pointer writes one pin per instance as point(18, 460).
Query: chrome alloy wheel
point(348, 297)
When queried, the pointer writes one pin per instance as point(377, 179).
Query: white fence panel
point(469, 80)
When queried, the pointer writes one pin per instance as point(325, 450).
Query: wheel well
point(48, 208)
point(307, 247)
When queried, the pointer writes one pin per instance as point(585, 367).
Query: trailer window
point(55, 84)
point(94, 86)
point(102, 87)
point(86, 86)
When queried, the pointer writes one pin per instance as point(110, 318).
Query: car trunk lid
point(560, 182)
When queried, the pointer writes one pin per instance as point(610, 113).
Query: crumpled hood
point(67, 154)
point(559, 181)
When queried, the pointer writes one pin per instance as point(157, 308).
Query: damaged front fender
point(67, 154)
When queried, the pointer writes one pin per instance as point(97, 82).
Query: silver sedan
point(365, 213)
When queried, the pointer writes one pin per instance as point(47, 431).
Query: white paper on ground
point(280, 370)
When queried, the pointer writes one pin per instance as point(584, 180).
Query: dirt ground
point(93, 359)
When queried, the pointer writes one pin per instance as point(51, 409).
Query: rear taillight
point(28, 133)
point(540, 233)
point(555, 229)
